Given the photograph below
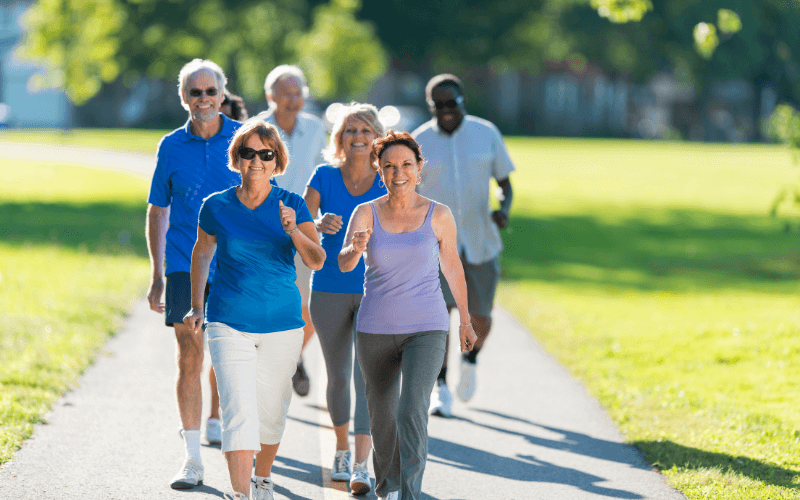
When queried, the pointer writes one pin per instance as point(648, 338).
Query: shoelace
point(362, 475)
point(341, 463)
point(191, 468)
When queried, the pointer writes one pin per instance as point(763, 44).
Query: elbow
point(319, 259)
point(343, 264)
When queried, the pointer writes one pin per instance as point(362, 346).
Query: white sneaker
point(341, 466)
point(190, 475)
point(214, 431)
point(262, 489)
point(467, 383)
point(360, 483)
point(441, 400)
point(395, 495)
point(238, 496)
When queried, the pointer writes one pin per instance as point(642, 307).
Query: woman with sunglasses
point(403, 321)
point(336, 189)
point(255, 325)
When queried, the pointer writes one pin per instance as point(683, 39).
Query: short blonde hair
point(195, 66)
point(269, 136)
point(367, 113)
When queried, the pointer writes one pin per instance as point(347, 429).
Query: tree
point(88, 42)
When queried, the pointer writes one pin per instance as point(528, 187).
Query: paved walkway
point(531, 431)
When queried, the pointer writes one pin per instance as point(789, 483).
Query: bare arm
point(444, 227)
point(202, 254)
point(328, 223)
point(357, 238)
point(500, 217)
point(304, 237)
point(156, 234)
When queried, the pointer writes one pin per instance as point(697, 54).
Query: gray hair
point(191, 68)
point(285, 71)
point(367, 113)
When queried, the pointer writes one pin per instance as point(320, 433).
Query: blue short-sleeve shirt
point(253, 289)
point(188, 169)
point(336, 199)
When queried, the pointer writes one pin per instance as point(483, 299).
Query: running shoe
point(395, 495)
point(190, 475)
point(214, 431)
point(441, 400)
point(360, 483)
point(341, 466)
point(300, 380)
point(467, 383)
point(262, 489)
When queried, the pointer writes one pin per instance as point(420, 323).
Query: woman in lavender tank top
point(403, 321)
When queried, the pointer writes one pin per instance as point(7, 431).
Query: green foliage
point(784, 126)
point(72, 261)
point(622, 11)
point(94, 41)
point(339, 52)
point(706, 40)
point(653, 273)
point(79, 39)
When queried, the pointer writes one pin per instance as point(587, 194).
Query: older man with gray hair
point(191, 164)
point(304, 134)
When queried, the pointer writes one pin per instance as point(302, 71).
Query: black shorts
point(481, 286)
point(178, 298)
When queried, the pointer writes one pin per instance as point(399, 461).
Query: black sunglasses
point(452, 103)
point(250, 153)
point(211, 92)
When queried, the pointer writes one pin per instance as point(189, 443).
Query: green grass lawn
point(652, 271)
point(122, 139)
point(72, 261)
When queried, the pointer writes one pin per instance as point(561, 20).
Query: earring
point(380, 183)
point(419, 179)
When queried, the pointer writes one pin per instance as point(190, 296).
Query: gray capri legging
point(334, 317)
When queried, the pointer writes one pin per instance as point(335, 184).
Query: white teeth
point(358, 144)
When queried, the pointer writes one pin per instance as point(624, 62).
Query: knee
point(481, 325)
point(190, 355)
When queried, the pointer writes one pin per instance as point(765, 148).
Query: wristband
point(293, 230)
point(463, 326)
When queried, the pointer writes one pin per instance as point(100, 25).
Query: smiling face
point(288, 96)
point(203, 107)
point(448, 117)
point(256, 170)
point(399, 169)
point(357, 138)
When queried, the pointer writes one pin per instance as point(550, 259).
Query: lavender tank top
point(402, 293)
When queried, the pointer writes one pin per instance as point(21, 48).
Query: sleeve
point(316, 179)
point(302, 214)
point(502, 166)
point(160, 193)
point(206, 219)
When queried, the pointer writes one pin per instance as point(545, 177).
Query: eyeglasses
point(210, 92)
point(452, 103)
point(250, 153)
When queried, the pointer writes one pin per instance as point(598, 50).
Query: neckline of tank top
point(429, 213)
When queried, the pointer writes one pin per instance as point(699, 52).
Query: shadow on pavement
point(208, 490)
point(573, 442)
point(667, 454)
point(522, 468)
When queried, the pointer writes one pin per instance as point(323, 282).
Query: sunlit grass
point(72, 261)
point(653, 273)
point(122, 139)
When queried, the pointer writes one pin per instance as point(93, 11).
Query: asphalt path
point(530, 432)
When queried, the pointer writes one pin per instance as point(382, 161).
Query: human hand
point(361, 239)
point(500, 218)
point(154, 294)
point(194, 319)
point(288, 217)
point(467, 337)
point(330, 224)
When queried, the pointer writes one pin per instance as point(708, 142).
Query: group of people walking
point(270, 232)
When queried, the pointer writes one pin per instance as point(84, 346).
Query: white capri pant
point(254, 381)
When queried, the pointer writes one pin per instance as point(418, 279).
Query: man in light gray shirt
point(462, 154)
point(304, 135)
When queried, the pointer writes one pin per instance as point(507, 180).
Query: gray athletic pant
point(399, 372)
point(334, 318)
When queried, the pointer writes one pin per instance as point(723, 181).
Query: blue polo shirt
point(253, 289)
point(336, 199)
point(188, 169)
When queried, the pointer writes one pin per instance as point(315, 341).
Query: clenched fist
point(361, 239)
point(288, 217)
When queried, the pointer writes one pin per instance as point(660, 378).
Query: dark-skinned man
point(463, 153)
